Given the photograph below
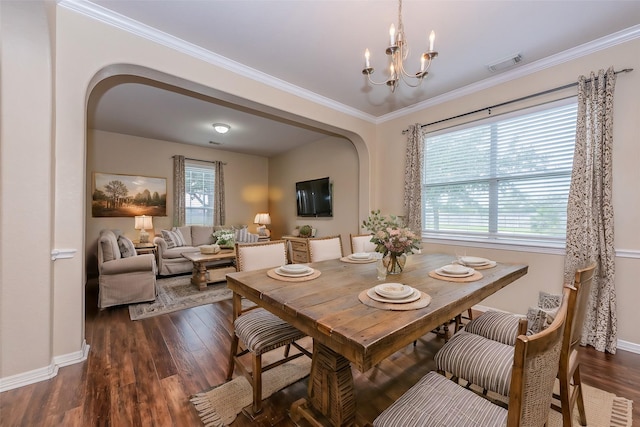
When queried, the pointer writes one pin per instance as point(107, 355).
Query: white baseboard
point(46, 373)
point(621, 345)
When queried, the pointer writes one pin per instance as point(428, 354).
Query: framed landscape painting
point(128, 195)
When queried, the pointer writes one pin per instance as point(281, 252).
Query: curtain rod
point(555, 89)
point(198, 160)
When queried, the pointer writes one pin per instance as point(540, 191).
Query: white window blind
point(502, 178)
point(199, 192)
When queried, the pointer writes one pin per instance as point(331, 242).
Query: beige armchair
point(123, 280)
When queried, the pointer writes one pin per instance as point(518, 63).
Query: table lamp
point(263, 219)
point(143, 223)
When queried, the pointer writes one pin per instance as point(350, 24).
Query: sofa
point(173, 243)
point(124, 276)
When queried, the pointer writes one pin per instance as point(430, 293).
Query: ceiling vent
point(505, 63)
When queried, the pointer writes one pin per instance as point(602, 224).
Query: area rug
point(603, 409)
point(177, 293)
point(220, 406)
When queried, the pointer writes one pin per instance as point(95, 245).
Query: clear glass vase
point(395, 262)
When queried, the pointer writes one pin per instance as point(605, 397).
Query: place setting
point(476, 263)
point(293, 273)
point(359, 258)
point(394, 296)
point(456, 273)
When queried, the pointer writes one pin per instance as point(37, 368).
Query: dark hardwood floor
point(142, 373)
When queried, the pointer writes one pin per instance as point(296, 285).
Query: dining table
point(350, 329)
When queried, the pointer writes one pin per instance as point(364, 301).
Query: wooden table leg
point(330, 394)
point(199, 277)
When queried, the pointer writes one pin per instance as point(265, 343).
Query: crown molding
point(585, 49)
point(106, 16)
point(124, 23)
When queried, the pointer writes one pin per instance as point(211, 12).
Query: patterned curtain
point(218, 203)
point(178, 191)
point(413, 179)
point(590, 208)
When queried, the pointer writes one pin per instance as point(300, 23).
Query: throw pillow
point(536, 320)
point(550, 304)
point(243, 236)
point(174, 239)
point(126, 247)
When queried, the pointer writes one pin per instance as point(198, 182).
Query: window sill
point(551, 248)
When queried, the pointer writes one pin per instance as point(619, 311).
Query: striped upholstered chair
point(437, 401)
point(258, 330)
point(495, 333)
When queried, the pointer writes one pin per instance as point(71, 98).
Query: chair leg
point(577, 384)
point(565, 399)
point(257, 384)
point(232, 355)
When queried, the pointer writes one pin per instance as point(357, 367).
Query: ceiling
point(315, 48)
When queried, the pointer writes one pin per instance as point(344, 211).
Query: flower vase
point(395, 262)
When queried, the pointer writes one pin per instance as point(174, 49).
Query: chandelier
point(398, 51)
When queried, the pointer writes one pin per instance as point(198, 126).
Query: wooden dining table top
point(327, 308)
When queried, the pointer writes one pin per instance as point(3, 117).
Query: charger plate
point(357, 261)
point(272, 273)
point(475, 276)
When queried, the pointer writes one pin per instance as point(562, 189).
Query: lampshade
point(143, 222)
point(262, 218)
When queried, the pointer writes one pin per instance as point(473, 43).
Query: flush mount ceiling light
point(398, 50)
point(221, 127)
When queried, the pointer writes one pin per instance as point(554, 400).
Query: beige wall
point(246, 180)
point(333, 157)
point(545, 269)
point(26, 205)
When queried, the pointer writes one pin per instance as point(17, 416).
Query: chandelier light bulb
point(367, 55)
point(392, 35)
point(432, 38)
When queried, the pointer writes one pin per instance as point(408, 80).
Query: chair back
point(535, 366)
point(361, 243)
point(255, 256)
point(577, 311)
point(324, 248)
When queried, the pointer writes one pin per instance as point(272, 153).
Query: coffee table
point(203, 276)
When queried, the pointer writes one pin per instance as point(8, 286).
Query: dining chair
point(496, 332)
point(258, 330)
point(437, 401)
point(361, 243)
point(324, 248)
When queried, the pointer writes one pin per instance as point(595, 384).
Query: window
point(503, 178)
point(199, 191)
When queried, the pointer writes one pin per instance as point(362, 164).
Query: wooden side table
point(145, 248)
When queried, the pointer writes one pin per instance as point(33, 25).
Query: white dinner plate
point(415, 295)
point(302, 274)
point(474, 261)
point(455, 269)
point(295, 268)
point(441, 272)
point(360, 256)
point(393, 290)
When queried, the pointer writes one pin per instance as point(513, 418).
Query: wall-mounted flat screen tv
point(313, 198)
